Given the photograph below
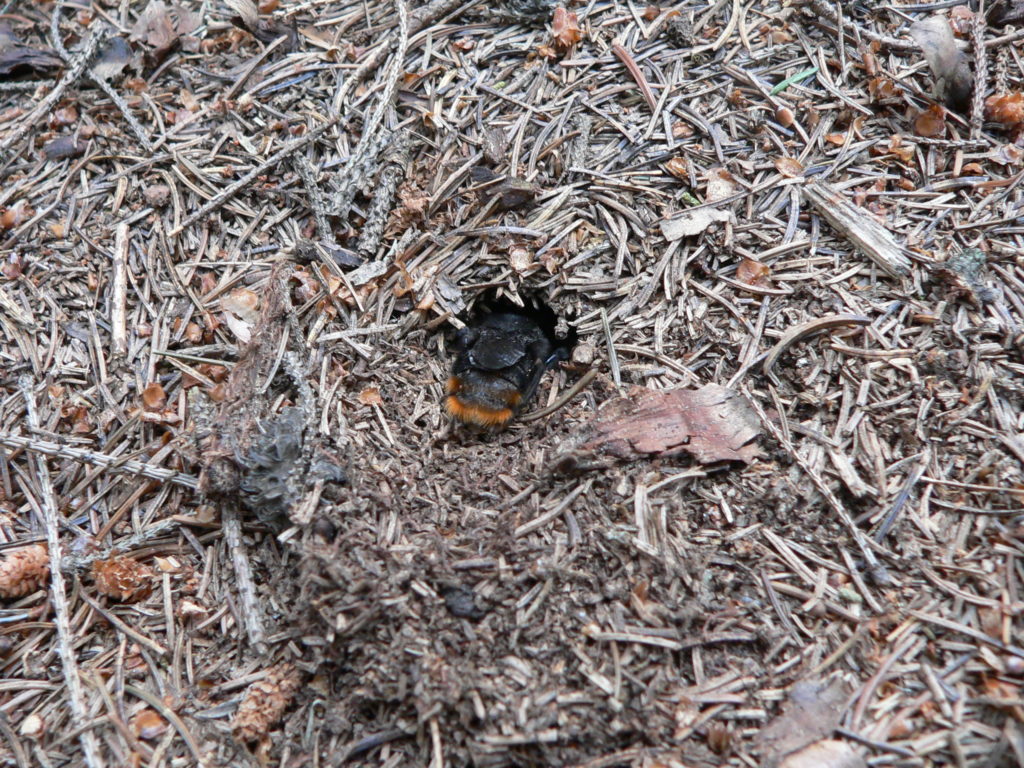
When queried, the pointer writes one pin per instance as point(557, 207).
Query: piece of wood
point(859, 227)
point(712, 424)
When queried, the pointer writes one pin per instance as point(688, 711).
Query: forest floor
point(233, 252)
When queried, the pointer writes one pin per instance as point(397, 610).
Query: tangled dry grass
point(212, 230)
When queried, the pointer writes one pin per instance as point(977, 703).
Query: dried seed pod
point(123, 579)
point(264, 703)
point(23, 571)
point(784, 117)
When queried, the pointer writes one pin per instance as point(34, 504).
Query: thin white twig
point(105, 460)
point(62, 620)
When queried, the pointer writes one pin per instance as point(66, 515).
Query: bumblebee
point(502, 353)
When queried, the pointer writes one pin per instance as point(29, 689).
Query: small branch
point(242, 183)
point(307, 173)
point(823, 8)
point(119, 292)
point(384, 198)
point(362, 162)
point(419, 19)
point(101, 83)
point(978, 28)
point(110, 463)
point(76, 67)
point(62, 620)
point(251, 614)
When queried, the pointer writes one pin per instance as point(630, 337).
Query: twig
point(363, 161)
point(307, 173)
point(101, 83)
point(613, 359)
point(419, 19)
point(569, 394)
point(636, 73)
point(825, 9)
point(383, 198)
point(230, 191)
point(251, 614)
point(62, 620)
point(112, 619)
point(119, 292)
point(877, 569)
point(76, 66)
point(978, 27)
point(110, 463)
point(802, 331)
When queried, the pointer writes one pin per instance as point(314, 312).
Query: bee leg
point(540, 365)
point(531, 386)
point(465, 338)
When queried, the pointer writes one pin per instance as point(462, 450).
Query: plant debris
point(23, 571)
point(951, 68)
point(812, 712)
point(258, 263)
point(123, 579)
point(18, 59)
point(965, 272)
point(712, 424)
point(265, 702)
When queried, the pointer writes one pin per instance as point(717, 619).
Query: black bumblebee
point(502, 354)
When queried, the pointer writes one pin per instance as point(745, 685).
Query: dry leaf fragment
point(752, 272)
point(951, 69)
point(16, 215)
point(153, 397)
point(721, 184)
point(64, 147)
point(244, 303)
point(961, 19)
point(190, 608)
point(32, 727)
point(931, 123)
point(247, 17)
point(1005, 108)
point(157, 195)
point(116, 55)
point(789, 167)
point(565, 29)
point(712, 424)
point(515, 193)
point(158, 27)
point(1005, 154)
point(23, 571)
point(812, 713)
point(264, 703)
point(123, 579)
point(148, 725)
point(825, 754)
point(677, 167)
point(371, 396)
point(18, 59)
point(881, 88)
point(905, 152)
point(689, 223)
